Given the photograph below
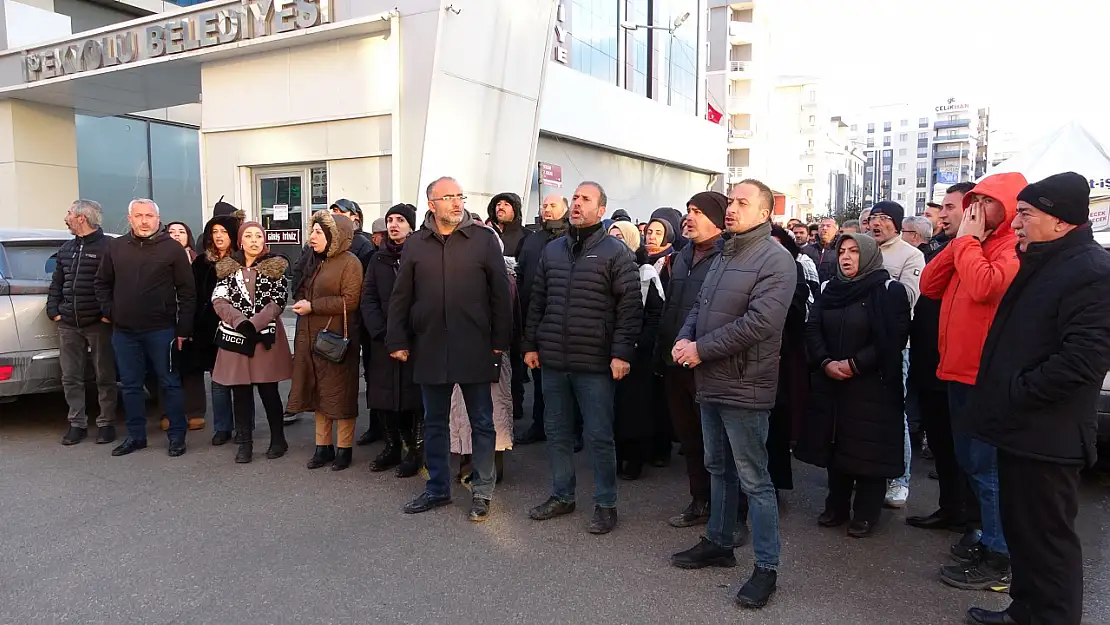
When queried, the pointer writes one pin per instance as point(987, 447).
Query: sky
point(1036, 64)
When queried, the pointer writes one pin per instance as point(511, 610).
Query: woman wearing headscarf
point(854, 339)
point(253, 349)
point(390, 390)
point(788, 415)
point(192, 377)
point(501, 392)
point(219, 240)
point(659, 236)
point(635, 402)
point(327, 300)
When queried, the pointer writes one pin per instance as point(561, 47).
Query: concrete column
point(38, 164)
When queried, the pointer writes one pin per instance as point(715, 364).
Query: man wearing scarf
point(1036, 393)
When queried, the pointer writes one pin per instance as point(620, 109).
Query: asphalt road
point(147, 539)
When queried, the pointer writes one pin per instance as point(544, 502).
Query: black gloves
point(246, 328)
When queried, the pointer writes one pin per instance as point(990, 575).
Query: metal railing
point(950, 154)
point(735, 133)
point(740, 66)
point(736, 173)
point(952, 123)
point(960, 137)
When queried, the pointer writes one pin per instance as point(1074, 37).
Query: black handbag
point(331, 346)
point(230, 339)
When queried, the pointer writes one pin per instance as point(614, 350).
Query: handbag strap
point(327, 327)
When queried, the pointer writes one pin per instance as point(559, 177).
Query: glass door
point(282, 211)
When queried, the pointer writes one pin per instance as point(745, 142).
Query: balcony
point(739, 105)
point(741, 70)
point(738, 138)
point(735, 174)
point(952, 123)
point(741, 33)
point(959, 137)
point(950, 154)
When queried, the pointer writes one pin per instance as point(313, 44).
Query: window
point(886, 167)
point(923, 122)
point(886, 126)
point(812, 120)
point(901, 182)
point(886, 141)
point(636, 69)
point(922, 152)
point(921, 181)
point(901, 167)
point(854, 127)
point(683, 62)
point(809, 144)
point(594, 51)
point(904, 137)
point(905, 123)
point(809, 169)
point(870, 128)
point(30, 261)
point(902, 152)
point(898, 196)
point(922, 135)
point(871, 142)
point(887, 154)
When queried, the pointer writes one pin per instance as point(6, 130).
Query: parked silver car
point(28, 339)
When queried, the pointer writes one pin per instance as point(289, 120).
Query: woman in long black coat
point(389, 386)
point(854, 339)
point(635, 402)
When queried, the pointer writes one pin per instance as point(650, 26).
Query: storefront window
point(638, 70)
point(681, 67)
point(593, 45)
point(120, 159)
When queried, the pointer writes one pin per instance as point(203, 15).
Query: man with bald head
point(554, 225)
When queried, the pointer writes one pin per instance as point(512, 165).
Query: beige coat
point(502, 413)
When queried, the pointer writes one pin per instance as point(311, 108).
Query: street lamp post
point(678, 21)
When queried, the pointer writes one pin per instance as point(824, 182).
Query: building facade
point(911, 151)
point(281, 108)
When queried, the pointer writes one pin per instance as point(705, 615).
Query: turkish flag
point(712, 114)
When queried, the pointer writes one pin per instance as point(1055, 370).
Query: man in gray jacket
point(731, 339)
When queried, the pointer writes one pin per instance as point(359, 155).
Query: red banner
point(713, 114)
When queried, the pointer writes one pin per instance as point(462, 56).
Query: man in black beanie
point(1036, 394)
point(408, 211)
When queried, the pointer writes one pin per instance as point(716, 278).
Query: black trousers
point(242, 406)
point(1039, 502)
point(957, 501)
point(686, 418)
point(868, 503)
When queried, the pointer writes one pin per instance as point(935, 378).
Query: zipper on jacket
point(566, 303)
point(73, 286)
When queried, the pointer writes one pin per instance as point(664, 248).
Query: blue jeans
point(221, 408)
point(593, 392)
point(133, 349)
point(437, 437)
point(735, 442)
point(907, 453)
point(979, 461)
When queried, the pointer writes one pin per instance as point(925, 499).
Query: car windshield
point(31, 260)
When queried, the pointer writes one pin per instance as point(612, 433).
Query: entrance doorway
point(287, 196)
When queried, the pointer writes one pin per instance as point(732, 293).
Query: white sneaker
point(290, 417)
point(897, 495)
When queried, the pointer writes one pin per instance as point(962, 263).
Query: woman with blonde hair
point(325, 347)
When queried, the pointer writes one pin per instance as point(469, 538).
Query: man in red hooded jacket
point(969, 277)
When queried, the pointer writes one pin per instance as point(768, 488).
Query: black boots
point(278, 446)
point(245, 452)
point(374, 432)
point(414, 447)
point(342, 458)
point(324, 454)
point(390, 455)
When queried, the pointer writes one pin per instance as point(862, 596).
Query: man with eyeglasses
point(904, 263)
point(451, 313)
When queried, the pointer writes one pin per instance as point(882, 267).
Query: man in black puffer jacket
point(584, 319)
point(555, 224)
point(82, 332)
point(1036, 395)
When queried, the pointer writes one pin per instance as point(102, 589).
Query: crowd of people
point(977, 332)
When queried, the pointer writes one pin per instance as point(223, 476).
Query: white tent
point(1068, 148)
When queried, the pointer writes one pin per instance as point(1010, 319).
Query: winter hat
point(1065, 196)
point(621, 215)
point(893, 210)
point(668, 231)
point(408, 211)
point(378, 226)
point(253, 224)
point(712, 204)
point(223, 208)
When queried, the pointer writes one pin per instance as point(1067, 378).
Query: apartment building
point(912, 151)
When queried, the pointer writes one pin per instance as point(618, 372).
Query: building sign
point(951, 106)
point(1100, 215)
point(551, 175)
point(283, 237)
point(218, 26)
point(281, 212)
point(562, 54)
point(947, 177)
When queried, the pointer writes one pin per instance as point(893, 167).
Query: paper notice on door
point(281, 212)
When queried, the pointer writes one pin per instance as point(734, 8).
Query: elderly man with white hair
point(917, 231)
point(145, 288)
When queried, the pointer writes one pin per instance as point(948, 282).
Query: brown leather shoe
point(197, 423)
point(165, 424)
